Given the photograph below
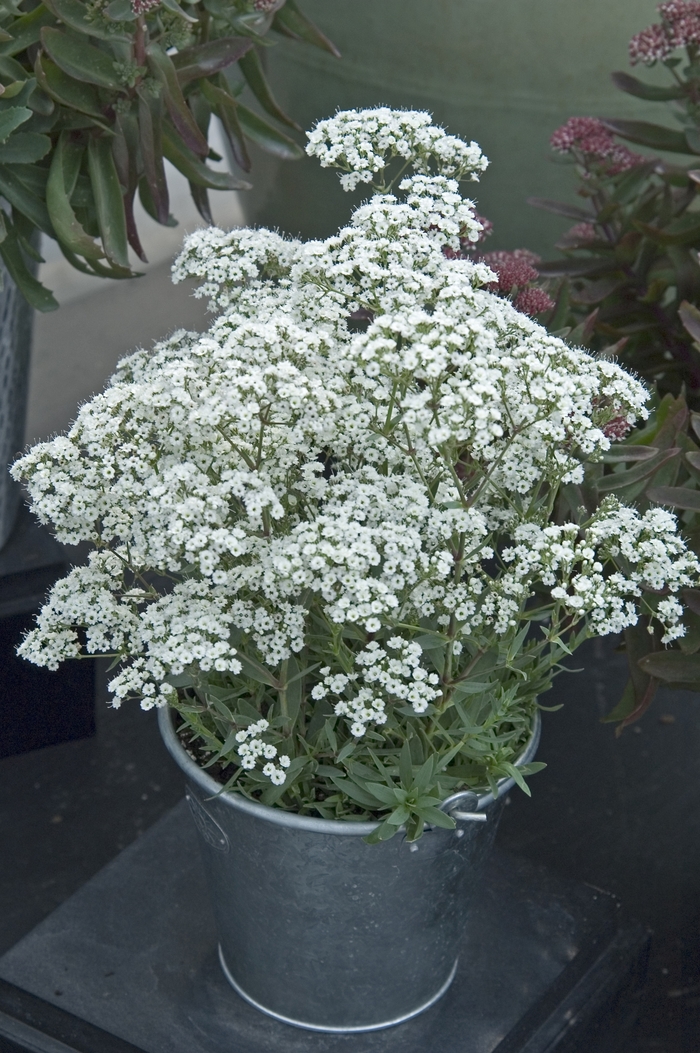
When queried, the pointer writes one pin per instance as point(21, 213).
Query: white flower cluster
point(365, 439)
point(394, 675)
point(362, 142)
point(251, 748)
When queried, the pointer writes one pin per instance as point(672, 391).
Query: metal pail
point(323, 931)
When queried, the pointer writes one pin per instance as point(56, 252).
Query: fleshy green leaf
point(654, 136)
point(13, 188)
point(12, 118)
point(292, 22)
point(80, 60)
point(162, 68)
point(27, 29)
point(74, 14)
point(672, 666)
point(267, 136)
point(70, 93)
point(120, 11)
point(226, 108)
point(64, 170)
point(560, 208)
point(618, 480)
point(652, 92)
point(204, 60)
point(194, 169)
point(172, 5)
point(24, 148)
point(33, 291)
point(108, 201)
point(677, 496)
point(252, 70)
point(150, 112)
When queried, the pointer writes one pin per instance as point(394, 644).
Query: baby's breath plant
point(340, 532)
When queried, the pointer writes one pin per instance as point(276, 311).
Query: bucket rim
point(270, 814)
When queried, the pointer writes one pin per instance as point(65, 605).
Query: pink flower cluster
point(617, 429)
point(515, 272)
point(679, 28)
point(142, 7)
point(589, 136)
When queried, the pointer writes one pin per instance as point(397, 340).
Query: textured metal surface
point(133, 953)
point(16, 318)
point(321, 929)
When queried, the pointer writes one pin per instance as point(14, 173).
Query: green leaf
point(62, 177)
point(678, 496)
point(654, 136)
point(652, 92)
point(194, 169)
point(690, 317)
point(384, 832)
point(108, 201)
point(162, 68)
point(560, 208)
point(577, 268)
point(32, 290)
point(255, 671)
point(172, 5)
point(399, 816)
point(618, 480)
point(27, 29)
point(11, 119)
point(74, 15)
point(383, 793)
point(252, 70)
point(120, 11)
point(226, 108)
point(292, 22)
point(425, 776)
point(406, 765)
point(204, 60)
point(80, 60)
point(672, 666)
point(70, 93)
point(13, 188)
point(437, 818)
point(268, 137)
point(620, 452)
point(624, 707)
point(24, 148)
point(150, 118)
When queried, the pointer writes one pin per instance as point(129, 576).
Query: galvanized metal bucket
point(323, 931)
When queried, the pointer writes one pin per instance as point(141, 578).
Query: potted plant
point(627, 285)
point(337, 541)
point(93, 98)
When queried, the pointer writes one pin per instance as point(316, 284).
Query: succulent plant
point(95, 96)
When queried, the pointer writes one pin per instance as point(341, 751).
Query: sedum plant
point(95, 95)
point(338, 533)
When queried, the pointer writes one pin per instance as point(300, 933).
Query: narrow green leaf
point(226, 107)
point(437, 818)
point(11, 119)
point(654, 136)
point(80, 60)
point(292, 22)
point(678, 496)
point(150, 118)
point(690, 317)
point(577, 268)
point(621, 452)
point(406, 765)
point(204, 60)
point(27, 29)
point(618, 480)
point(194, 169)
point(252, 70)
point(74, 14)
point(64, 163)
point(33, 291)
point(652, 92)
point(70, 93)
point(172, 5)
point(24, 148)
point(384, 832)
point(383, 793)
point(560, 208)
point(624, 707)
point(108, 201)
point(268, 137)
point(14, 190)
point(672, 666)
point(162, 68)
